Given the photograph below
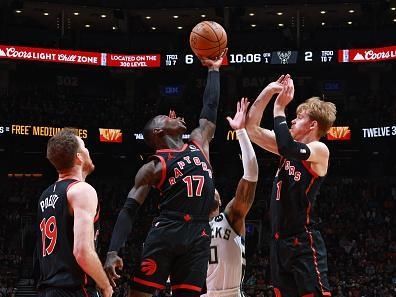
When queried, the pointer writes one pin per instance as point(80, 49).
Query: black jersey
point(293, 197)
point(58, 266)
point(187, 184)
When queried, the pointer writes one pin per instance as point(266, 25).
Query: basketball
point(208, 39)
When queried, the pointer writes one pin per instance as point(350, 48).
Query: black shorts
point(63, 292)
point(299, 265)
point(177, 249)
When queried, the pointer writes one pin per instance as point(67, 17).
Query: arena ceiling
point(171, 16)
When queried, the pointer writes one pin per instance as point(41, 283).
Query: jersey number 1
point(189, 181)
point(48, 230)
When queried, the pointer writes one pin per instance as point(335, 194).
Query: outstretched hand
point(239, 120)
point(287, 93)
point(276, 87)
point(113, 261)
point(213, 63)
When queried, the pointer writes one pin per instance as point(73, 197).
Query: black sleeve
point(211, 97)
point(287, 147)
point(124, 223)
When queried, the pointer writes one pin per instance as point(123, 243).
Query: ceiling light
point(323, 23)
point(103, 16)
point(18, 11)
point(351, 11)
point(148, 17)
point(251, 14)
point(253, 25)
point(76, 13)
point(114, 28)
point(323, 11)
point(203, 15)
point(153, 28)
point(281, 25)
point(45, 13)
point(349, 23)
point(175, 16)
point(87, 26)
point(180, 27)
point(279, 13)
point(393, 8)
point(394, 20)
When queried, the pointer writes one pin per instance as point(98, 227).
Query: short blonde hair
point(321, 111)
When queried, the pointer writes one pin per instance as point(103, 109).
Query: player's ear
point(79, 159)
point(158, 131)
point(314, 124)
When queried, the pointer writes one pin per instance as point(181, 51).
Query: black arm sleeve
point(123, 226)
point(211, 97)
point(287, 147)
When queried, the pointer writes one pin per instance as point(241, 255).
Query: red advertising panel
point(339, 133)
point(110, 135)
point(50, 55)
point(367, 55)
point(134, 61)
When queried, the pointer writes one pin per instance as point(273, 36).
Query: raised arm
point(204, 133)
point(83, 202)
point(315, 152)
point(148, 175)
point(237, 209)
point(263, 137)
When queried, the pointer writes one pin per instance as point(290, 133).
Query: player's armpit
point(149, 174)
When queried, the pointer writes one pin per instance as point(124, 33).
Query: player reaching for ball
point(178, 242)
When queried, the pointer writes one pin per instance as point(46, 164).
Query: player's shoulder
point(80, 188)
point(318, 146)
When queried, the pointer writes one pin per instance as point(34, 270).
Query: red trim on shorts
point(172, 150)
point(308, 295)
point(186, 287)
point(202, 151)
point(71, 184)
point(147, 283)
point(308, 167)
point(315, 260)
point(85, 291)
point(277, 292)
point(326, 294)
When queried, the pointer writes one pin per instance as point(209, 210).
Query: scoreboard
point(327, 56)
point(173, 59)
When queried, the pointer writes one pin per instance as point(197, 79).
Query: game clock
point(264, 57)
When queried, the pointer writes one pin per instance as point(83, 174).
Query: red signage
point(367, 55)
point(339, 133)
point(78, 57)
point(110, 135)
point(50, 55)
point(133, 61)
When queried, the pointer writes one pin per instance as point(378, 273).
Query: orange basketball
point(208, 39)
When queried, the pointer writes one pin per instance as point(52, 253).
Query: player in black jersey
point(66, 225)
point(178, 242)
point(298, 253)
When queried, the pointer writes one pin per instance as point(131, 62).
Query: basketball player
point(227, 250)
point(298, 253)
point(67, 213)
point(178, 243)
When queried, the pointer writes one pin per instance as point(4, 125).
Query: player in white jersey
point(227, 258)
